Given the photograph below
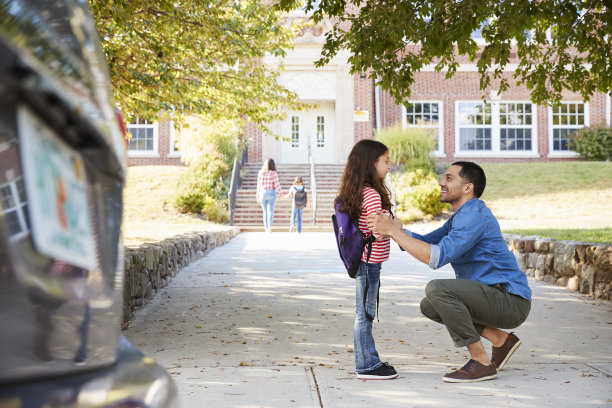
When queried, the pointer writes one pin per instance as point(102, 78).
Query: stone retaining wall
point(151, 266)
point(578, 266)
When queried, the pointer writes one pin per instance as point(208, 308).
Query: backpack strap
point(369, 240)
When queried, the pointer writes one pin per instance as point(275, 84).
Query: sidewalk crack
point(596, 369)
point(316, 383)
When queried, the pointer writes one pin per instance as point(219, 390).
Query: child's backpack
point(300, 198)
point(351, 241)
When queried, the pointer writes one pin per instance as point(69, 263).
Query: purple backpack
point(351, 241)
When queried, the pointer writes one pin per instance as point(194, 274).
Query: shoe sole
point(376, 377)
point(470, 380)
point(510, 353)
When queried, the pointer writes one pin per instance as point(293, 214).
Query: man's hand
point(385, 224)
point(381, 223)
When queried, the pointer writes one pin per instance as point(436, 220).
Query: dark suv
point(62, 169)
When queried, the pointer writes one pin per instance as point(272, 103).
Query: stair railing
point(313, 188)
point(236, 182)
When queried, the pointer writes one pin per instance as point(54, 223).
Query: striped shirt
point(267, 180)
point(380, 248)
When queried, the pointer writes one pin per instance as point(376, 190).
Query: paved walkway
point(266, 321)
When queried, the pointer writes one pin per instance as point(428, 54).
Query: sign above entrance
point(361, 116)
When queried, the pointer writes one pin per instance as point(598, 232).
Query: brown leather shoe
point(501, 355)
point(473, 371)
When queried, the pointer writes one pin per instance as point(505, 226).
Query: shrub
point(208, 147)
point(190, 202)
point(593, 143)
point(417, 192)
point(426, 197)
point(215, 212)
point(198, 202)
point(409, 149)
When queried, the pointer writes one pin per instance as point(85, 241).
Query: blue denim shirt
point(471, 241)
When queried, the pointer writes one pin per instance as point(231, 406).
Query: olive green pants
point(466, 307)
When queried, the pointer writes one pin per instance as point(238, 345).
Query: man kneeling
point(490, 292)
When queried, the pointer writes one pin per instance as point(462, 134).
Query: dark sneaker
point(473, 371)
point(384, 372)
point(501, 355)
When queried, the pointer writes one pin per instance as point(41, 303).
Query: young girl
point(267, 186)
point(298, 191)
point(362, 192)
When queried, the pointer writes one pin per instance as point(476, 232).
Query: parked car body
point(62, 171)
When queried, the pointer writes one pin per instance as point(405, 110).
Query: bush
point(417, 192)
point(426, 197)
point(198, 202)
point(409, 149)
point(190, 202)
point(593, 143)
point(215, 212)
point(208, 147)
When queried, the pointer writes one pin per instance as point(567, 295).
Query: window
point(566, 119)
point(14, 207)
point(295, 131)
point(501, 128)
point(174, 150)
point(143, 137)
point(475, 127)
point(425, 115)
point(320, 131)
point(515, 120)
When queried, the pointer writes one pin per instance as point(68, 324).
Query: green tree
point(195, 57)
point(558, 44)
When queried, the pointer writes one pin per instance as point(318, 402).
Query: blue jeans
point(366, 356)
point(296, 213)
point(268, 200)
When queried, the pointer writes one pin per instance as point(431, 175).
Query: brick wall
point(466, 86)
point(254, 140)
point(364, 101)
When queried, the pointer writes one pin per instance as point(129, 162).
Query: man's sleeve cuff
point(434, 256)
point(407, 232)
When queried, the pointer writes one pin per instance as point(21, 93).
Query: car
point(62, 172)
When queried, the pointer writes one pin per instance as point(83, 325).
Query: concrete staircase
point(248, 215)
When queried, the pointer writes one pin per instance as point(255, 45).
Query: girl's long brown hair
point(359, 173)
point(268, 165)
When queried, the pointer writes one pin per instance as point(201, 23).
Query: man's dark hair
point(472, 173)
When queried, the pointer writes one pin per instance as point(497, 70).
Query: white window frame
point(299, 136)
point(317, 141)
point(495, 132)
point(172, 152)
point(145, 153)
point(19, 208)
point(565, 153)
point(405, 125)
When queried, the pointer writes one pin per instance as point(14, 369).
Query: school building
point(468, 123)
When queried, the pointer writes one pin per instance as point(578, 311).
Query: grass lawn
point(148, 213)
point(560, 200)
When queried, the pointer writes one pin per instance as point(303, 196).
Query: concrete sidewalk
point(267, 321)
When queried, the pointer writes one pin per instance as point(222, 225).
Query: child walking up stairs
point(248, 215)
